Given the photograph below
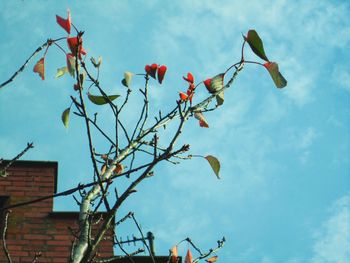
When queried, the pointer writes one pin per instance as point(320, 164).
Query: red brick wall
point(34, 228)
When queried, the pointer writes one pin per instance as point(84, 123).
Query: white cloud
point(341, 76)
point(307, 138)
point(332, 243)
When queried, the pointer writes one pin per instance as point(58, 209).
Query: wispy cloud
point(341, 76)
point(332, 240)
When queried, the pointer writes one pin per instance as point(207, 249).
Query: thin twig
point(3, 170)
point(4, 245)
point(24, 65)
point(37, 255)
point(211, 251)
point(143, 237)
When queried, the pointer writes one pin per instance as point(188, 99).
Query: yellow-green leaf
point(101, 100)
point(71, 64)
point(61, 72)
point(127, 78)
point(220, 98)
point(214, 163)
point(65, 117)
point(256, 44)
point(275, 74)
point(212, 259)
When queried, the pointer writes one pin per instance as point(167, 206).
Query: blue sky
point(284, 195)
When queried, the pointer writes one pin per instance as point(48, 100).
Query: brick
point(30, 228)
point(37, 237)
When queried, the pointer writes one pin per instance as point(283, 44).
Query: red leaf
point(189, 257)
point(151, 70)
point(183, 96)
point(207, 83)
point(64, 23)
point(40, 68)
point(161, 72)
point(148, 69)
point(73, 45)
point(189, 78)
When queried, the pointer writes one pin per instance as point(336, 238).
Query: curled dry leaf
point(39, 68)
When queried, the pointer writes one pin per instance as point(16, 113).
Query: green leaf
point(127, 78)
point(220, 98)
point(276, 76)
point(61, 72)
point(65, 117)
point(256, 44)
point(214, 163)
point(101, 100)
point(217, 83)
